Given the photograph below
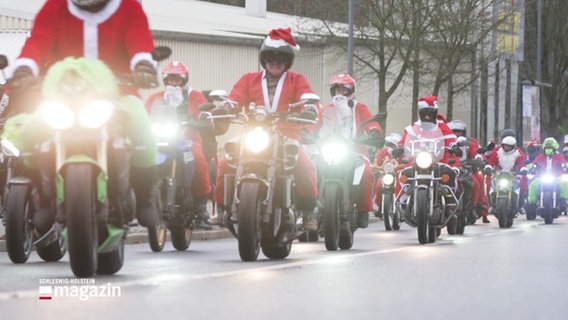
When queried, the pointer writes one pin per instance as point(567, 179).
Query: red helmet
point(176, 69)
point(342, 80)
point(428, 108)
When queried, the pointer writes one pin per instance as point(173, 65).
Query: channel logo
point(45, 293)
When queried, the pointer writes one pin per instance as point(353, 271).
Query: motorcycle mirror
point(461, 141)
point(310, 98)
point(218, 95)
point(161, 53)
point(3, 61)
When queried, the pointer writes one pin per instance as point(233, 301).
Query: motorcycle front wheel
point(389, 213)
point(157, 234)
point(421, 211)
point(331, 222)
point(80, 209)
point(19, 233)
point(502, 212)
point(181, 237)
point(249, 220)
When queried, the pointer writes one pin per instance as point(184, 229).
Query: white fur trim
point(22, 62)
point(507, 160)
point(91, 21)
point(272, 107)
point(143, 56)
point(269, 42)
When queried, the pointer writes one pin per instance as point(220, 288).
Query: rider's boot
point(378, 213)
point(201, 214)
point(485, 220)
point(362, 219)
point(219, 217)
point(309, 213)
point(143, 182)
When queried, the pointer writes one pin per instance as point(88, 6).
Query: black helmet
point(279, 46)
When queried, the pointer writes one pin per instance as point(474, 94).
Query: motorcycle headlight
point(504, 183)
point(164, 131)
point(388, 179)
point(564, 177)
point(547, 178)
point(424, 160)
point(57, 115)
point(256, 140)
point(333, 153)
point(95, 114)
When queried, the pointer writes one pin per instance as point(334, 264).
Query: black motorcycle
point(260, 194)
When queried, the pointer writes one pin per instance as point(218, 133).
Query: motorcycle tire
point(331, 219)
point(111, 262)
point(548, 210)
point(421, 211)
point(82, 228)
point(277, 251)
point(388, 212)
point(502, 212)
point(157, 234)
point(19, 233)
point(249, 220)
point(181, 237)
point(54, 251)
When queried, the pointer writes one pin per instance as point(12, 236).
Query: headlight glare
point(95, 114)
point(333, 153)
point(256, 140)
point(57, 115)
point(424, 160)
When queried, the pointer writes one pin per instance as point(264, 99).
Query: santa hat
point(281, 37)
point(428, 102)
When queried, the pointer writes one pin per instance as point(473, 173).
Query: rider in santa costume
point(276, 87)
point(64, 28)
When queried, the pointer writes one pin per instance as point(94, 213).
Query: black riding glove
point(144, 75)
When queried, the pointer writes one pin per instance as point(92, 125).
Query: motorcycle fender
point(358, 174)
point(112, 242)
point(101, 179)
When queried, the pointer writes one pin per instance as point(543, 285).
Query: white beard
point(344, 114)
point(507, 161)
point(173, 96)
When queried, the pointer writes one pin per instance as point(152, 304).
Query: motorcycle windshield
point(335, 123)
point(424, 137)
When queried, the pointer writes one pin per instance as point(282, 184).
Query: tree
point(554, 114)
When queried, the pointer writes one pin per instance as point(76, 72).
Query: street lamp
point(350, 40)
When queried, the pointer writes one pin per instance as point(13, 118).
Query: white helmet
point(509, 141)
point(393, 139)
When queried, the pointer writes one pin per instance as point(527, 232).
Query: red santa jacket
point(447, 134)
point(556, 165)
point(194, 100)
point(119, 35)
point(252, 88)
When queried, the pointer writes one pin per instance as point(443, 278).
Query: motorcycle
point(174, 155)
point(427, 185)
point(505, 198)
point(259, 195)
point(19, 203)
point(465, 213)
point(549, 205)
point(391, 216)
point(84, 168)
point(339, 191)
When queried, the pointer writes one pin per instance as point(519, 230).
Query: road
point(488, 273)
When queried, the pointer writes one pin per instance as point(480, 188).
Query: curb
point(140, 236)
